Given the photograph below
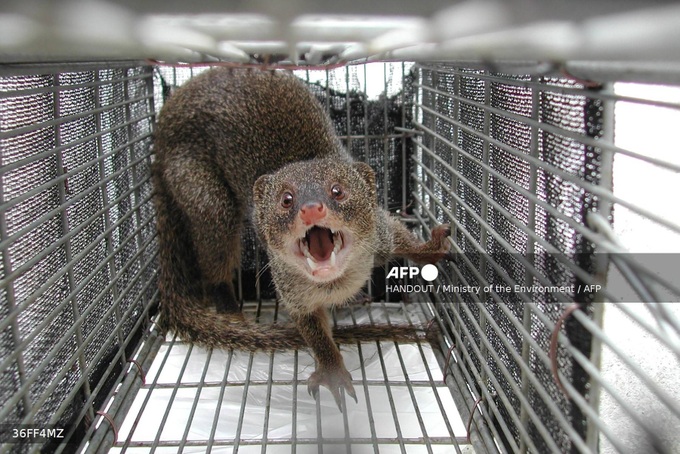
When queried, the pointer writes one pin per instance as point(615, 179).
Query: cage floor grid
point(204, 400)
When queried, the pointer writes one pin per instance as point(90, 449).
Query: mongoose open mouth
point(324, 251)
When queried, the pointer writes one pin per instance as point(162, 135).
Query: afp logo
point(428, 272)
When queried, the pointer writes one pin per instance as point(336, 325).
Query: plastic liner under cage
point(558, 331)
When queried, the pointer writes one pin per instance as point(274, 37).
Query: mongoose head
point(318, 216)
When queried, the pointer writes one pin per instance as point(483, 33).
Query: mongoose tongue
point(320, 241)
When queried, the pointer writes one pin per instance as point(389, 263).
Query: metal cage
point(557, 324)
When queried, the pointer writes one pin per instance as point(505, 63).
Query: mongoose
point(232, 145)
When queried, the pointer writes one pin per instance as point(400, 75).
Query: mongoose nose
point(312, 212)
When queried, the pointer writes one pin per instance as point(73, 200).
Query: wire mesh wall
point(522, 167)
point(78, 241)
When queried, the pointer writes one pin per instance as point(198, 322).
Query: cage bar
point(516, 132)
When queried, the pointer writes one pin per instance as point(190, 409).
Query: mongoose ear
point(260, 188)
point(366, 173)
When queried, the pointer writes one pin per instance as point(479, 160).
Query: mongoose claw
point(333, 379)
point(440, 233)
point(442, 230)
point(450, 256)
point(313, 390)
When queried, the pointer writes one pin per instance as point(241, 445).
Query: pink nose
point(312, 212)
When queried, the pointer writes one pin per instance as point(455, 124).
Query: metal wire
point(584, 40)
point(87, 213)
point(520, 166)
point(486, 328)
point(239, 376)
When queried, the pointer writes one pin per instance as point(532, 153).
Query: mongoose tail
point(234, 331)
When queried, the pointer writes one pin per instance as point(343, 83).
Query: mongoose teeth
point(304, 247)
point(337, 241)
point(311, 263)
point(323, 262)
point(338, 244)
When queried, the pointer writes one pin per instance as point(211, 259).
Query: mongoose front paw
point(438, 247)
point(334, 379)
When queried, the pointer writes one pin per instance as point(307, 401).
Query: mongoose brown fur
point(236, 144)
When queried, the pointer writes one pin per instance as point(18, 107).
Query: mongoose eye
point(338, 192)
point(287, 200)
